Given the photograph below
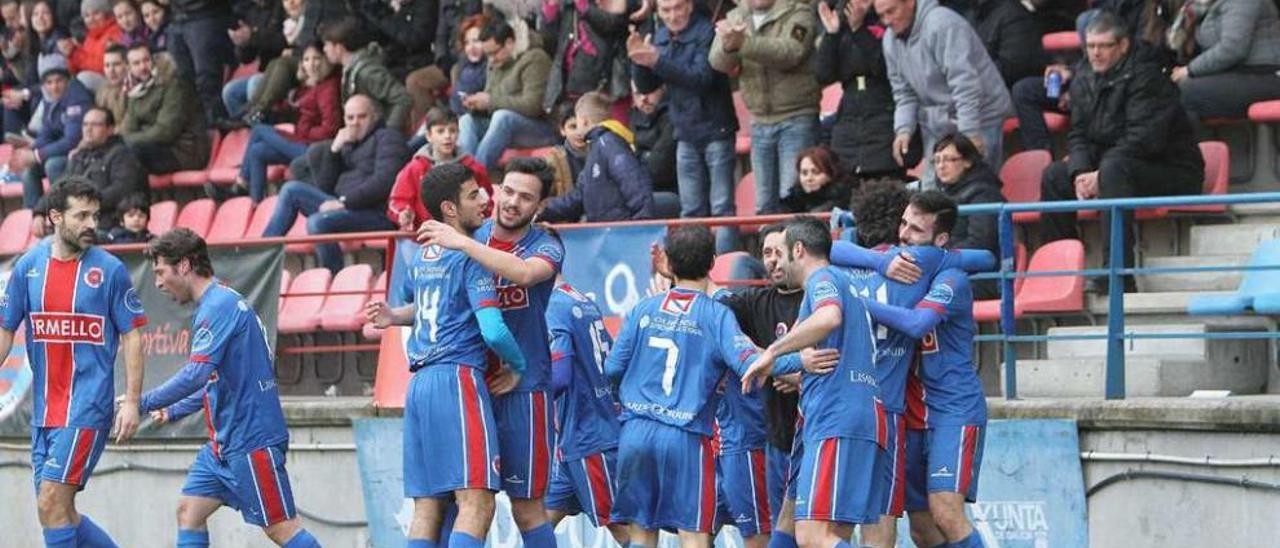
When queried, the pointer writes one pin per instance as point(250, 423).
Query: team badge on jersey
point(132, 302)
point(431, 252)
point(93, 278)
point(780, 330)
point(678, 304)
point(929, 342)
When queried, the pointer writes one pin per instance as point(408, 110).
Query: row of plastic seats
point(317, 300)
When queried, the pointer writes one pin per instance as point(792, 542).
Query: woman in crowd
point(130, 21)
point(964, 176)
point(156, 17)
point(1236, 45)
point(820, 185)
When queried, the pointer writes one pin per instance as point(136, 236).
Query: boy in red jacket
point(404, 206)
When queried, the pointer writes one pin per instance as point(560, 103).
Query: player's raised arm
point(524, 272)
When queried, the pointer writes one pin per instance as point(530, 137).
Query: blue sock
point(89, 535)
point(420, 543)
point(782, 539)
point(446, 527)
point(191, 538)
point(62, 537)
point(458, 539)
point(542, 536)
point(302, 539)
point(636, 545)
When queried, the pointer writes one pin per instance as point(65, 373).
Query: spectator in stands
point(613, 186)
point(768, 44)
point(202, 49)
point(21, 71)
point(11, 16)
point(849, 52)
point(968, 96)
point(587, 37)
point(469, 74)
point(132, 29)
point(363, 71)
point(508, 113)
point(115, 68)
point(878, 207)
point(101, 30)
point(966, 178)
point(162, 122)
point(351, 178)
point(1239, 51)
point(448, 29)
point(316, 104)
point(655, 137)
point(1031, 99)
point(279, 76)
point(1129, 136)
point(135, 214)
point(156, 16)
point(258, 37)
point(103, 159)
point(61, 107)
point(403, 28)
point(1010, 36)
point(677, 57)
point(820, 185)
point(568, 156)
point(405, 207)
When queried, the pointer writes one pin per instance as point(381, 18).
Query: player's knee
point(282, 532)
point(477, 506)
point(947, 510)
point(52, 504)
point(811, 535)
point(621, 533)
point(528, 513)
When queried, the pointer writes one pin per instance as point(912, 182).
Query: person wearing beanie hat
point(55, 126)
point(85, 57)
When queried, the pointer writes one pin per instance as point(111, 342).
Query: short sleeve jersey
point(524, 309)
point(673, 350)
point(75, 312)
point(949, 384)
point(448, 288)
point(588, 409)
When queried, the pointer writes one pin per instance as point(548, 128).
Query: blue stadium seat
point(1259, 290)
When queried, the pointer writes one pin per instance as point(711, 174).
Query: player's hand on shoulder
point(819, 361)
point(903, 269)
point(443, 235)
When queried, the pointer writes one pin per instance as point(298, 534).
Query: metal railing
point(1115, 335)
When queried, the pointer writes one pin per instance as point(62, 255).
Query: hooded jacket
point(943, 80)
point(368, 75)
point(613, 185)
point(407, 191)
point(62, 121)
point(774, 74)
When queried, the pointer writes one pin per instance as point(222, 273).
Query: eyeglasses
point(1095, 46)
point(946, 159)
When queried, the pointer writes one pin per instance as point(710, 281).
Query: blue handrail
point(1115, 335)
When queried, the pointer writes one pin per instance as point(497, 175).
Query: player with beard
point(450, 450)
point(525, 260)
point(80, 308)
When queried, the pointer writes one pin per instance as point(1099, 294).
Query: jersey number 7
point(673, 355)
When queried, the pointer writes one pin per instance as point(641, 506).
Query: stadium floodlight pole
point(1115, 307)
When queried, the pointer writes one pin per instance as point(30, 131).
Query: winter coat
point(587, 42)
point(699, 98)
point(519, 84)
point(1131, 111)
point(656, 146)
point(407, 191)
point(1011, 37)
point(361, 174)
point(369, 76)
point(319, 111)
point(88, 55)
point(942, 77)
point(862, 136)
point(60, 129)
point(833, 194)
point(978, 185)
point(114, 170)
point(613, 185)
point(168, 114)
point(1236, 34)
point(467, 78)
point(772, 67)
point(405, 34)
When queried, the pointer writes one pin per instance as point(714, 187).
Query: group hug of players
point(835, 397)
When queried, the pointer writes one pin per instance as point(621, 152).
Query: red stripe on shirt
point(933, 306)
point(264, 471)
point(60, 369)
point(208, 424)
point(139, 321)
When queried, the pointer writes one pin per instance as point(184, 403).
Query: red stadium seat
point(302, 314)
point(197, 216)
point(744, 197)
point(346, 312)
point(1021, 177)
point(724, 265)
point(989, 310)
point(15, 232)
point(261, 216)
point(743, 144)
point(299, 228)
point(162, 216)
point(232, 220)
point(379, 293)
point(1051, 294)
point(285, 278)
point(1057, 123)
point(831, 96)
point(198, 177)
point(1061, 42)
point(10, 190)
point(512, 153)
point(225, 164)
point(160, 182)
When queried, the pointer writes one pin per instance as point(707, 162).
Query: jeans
point(487, 138)
point(236, 94)
point(774, 149)
point(266, 146)
point(992, 152)
point(201, 48)
point(666, 205)
point(1030, 102)
point(299, 197)
point(705, 180)
point(33, 179)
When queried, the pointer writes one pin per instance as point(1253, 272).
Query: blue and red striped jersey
point(75, 312)
point(948, 384)
point(447, 287)
point(588, 409)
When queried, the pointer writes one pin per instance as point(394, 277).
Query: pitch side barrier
point(1115, 335)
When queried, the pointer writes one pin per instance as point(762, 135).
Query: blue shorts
point(255, 483)
point(894, 461)
point(943, 459)
point(585, 486)
point(450, 441)
point(793, 466)
point(666, 478)
point(777, 465)
point(838, 482)
point(65, 455)
point(526, 436)
point(744, 497)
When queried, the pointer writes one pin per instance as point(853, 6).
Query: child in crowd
point(135, 214)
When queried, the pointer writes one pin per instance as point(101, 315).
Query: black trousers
point(1118, 177)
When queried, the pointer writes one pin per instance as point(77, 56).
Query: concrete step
point(1206, 281)
point(1190, 348)
point(1231, 239)
point(1164, 302)
point(1144, 377)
